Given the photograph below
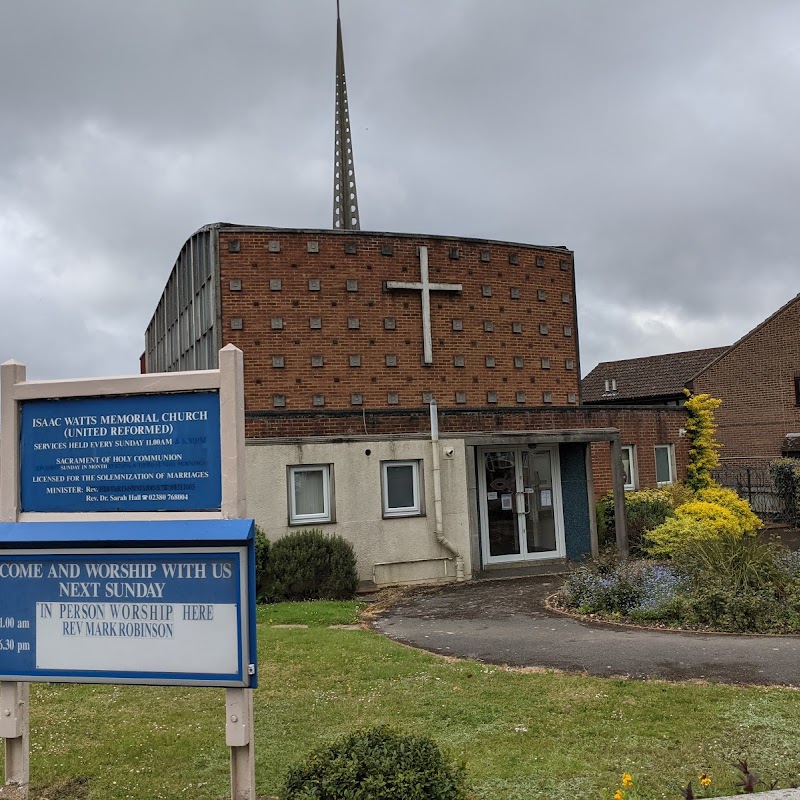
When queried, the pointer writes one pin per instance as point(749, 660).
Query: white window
point(401, 489)
point(310, 494)
point(631, 477)
point(665, 464)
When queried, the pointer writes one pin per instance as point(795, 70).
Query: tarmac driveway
point(506, 622)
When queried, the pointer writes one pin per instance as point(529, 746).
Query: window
point(797, 390)
point(310, 494)
point(401, 490)
point(630, 476)
point(665, 464)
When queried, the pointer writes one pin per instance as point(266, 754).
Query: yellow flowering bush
point(692, 522)
point(703, 446)
point(727, 498)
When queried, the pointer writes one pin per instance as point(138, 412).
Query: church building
point(418, 395)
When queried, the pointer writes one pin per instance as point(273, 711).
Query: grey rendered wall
point(394, 550)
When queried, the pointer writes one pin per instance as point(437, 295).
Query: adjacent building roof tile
point(649, 378)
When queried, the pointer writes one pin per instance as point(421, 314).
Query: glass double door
point(520, 504)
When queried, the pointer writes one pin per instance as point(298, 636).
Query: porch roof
point(554, 436)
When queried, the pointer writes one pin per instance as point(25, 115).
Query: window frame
point(327, 516)
point(670, 448)
point(633, 478)
point(418, 509)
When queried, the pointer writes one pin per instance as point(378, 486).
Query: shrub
point(703, 448)
point(638, 589)
point(738, 564)
point(741, 584)
point(377, 764)
point(604, 515)
point(262, 564)
point(737, 612)
point(678, 493)
point(644, 510)
point(785, 473)
point(692, 522)
point(740, 508)
point(308, 565)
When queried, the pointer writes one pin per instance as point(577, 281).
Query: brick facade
point(756, 381)
point(319, 329)
point(644, 428)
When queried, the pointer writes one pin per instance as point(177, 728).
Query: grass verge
point(522, 735)
point(311, 613)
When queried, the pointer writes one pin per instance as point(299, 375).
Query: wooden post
point(14, 697)
point(11, 373)
point(239, 733)
point(231, 411)
point(15, 727)
point(239, 737)
point(618, 484)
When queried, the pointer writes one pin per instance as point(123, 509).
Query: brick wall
point(644, 428)
point(300, 316)
point(756, 383)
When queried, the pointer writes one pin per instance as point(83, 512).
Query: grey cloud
point(657, 140)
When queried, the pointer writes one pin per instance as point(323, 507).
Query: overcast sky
point(659, 140)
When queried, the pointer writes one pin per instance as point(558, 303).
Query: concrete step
point(367, 592)
point(497, 571)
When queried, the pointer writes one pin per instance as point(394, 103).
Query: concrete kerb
point(775, 794)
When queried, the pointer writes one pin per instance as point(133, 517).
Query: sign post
point(122, 505)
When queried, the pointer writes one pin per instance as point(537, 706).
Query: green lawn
point(522, 735)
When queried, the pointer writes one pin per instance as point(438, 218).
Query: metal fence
point(753, 483)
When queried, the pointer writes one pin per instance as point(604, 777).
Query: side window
point(629, 467)
point(310, 494)
point(665, 464)
point(401, 489)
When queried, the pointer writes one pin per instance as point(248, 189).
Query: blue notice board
point(131, 453)
point(177, 614)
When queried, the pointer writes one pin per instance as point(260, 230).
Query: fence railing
point(753, 483)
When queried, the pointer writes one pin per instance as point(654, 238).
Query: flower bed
point(716, 573)
point(742, 585)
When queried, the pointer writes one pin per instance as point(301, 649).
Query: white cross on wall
point(426, 287)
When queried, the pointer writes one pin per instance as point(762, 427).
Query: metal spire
point(345, 198)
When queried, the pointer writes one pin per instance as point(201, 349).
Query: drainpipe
point(437, 494)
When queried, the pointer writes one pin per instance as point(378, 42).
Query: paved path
point(506, 622)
